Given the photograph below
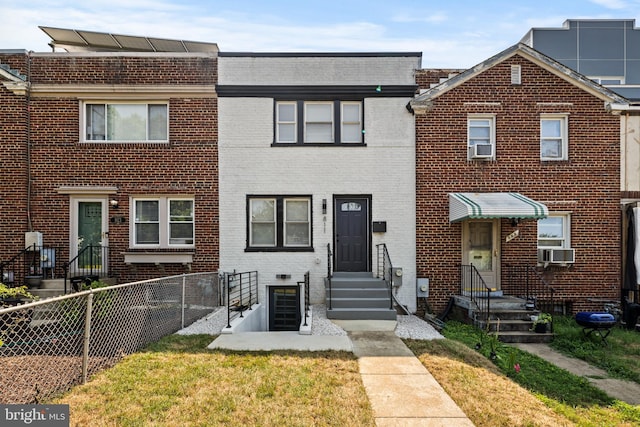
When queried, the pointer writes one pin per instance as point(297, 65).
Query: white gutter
point(618, 107)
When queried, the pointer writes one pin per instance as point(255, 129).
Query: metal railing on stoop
point(385, 272)
point(474, 286)
point(329, 274)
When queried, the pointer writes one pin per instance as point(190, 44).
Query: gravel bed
point(408, 326)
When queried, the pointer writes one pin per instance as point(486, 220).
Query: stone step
point(510, 325)
point(356, 283)
point(510, 314)
point(524, 337)
point(360, 302)
point(361, 314)
point(357, 293)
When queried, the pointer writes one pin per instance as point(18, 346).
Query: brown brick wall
point(185, 166)
point(586, 185)
point(13, 179)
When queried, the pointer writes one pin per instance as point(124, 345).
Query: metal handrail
point(93, 272)
point(241, 291)
point(473, 285)
point(329, 275)
point(31, 261)
point(305, 283)
point(526, 282)
point(385, 269)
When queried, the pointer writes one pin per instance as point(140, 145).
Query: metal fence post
point(184, 284)
point(87, 337)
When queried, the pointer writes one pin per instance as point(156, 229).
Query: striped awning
point(464, 206)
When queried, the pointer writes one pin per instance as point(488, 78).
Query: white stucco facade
point(382, 169)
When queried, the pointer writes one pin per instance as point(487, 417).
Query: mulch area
point(33, 379)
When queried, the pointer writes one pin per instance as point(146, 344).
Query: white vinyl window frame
point(286, 123)
point(554, 137)
point(279, 223)
point(265, 220)
point(125, 122)
point(297, 227)
point(164, 223)
point(319, 124)
point(554, 231)
point(481, 129)
point(350, 123)
point(309, 122)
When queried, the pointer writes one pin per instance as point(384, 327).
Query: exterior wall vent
point(516, 76)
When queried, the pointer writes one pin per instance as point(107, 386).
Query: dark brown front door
point(352, 247)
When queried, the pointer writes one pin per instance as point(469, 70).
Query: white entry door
point(481, 247)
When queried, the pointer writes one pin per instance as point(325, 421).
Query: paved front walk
point(401, 390)
point(625, 391)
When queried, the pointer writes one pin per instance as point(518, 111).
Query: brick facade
point(186, 166)
point(587, 185)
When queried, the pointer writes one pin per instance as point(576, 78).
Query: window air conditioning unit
point(481, 151)
point(556, 256)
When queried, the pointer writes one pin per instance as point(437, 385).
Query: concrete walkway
point(625, 391)
point(400, 389)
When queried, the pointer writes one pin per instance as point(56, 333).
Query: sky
point(450, 34)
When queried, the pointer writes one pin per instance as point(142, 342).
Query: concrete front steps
point(358, 296)
point(509, 319)
point(49, 288)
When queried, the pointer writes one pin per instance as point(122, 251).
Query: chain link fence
point(51, 345)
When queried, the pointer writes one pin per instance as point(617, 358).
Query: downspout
point(29, 178)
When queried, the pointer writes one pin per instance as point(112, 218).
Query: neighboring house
point(113, 149)
point(317, 153)
point(518, 166)
point(608, 52)
point(605, 50)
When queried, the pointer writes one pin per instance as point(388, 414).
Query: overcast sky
point(450, 34)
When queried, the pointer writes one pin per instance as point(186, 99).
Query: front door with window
point(88, 234)
point(352, 235)
point(481, 248)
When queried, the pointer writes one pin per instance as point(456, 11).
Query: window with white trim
point(163, 222)
point(554, 231)
point(126, 122)
point(318, 122)
point(554, 140)
point(279, 223)
point(481, 136)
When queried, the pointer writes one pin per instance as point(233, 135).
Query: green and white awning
point(464, 206)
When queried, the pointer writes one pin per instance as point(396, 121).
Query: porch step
point(358, 296)
point(49, 288)
point(361, 314)
point(524, 337)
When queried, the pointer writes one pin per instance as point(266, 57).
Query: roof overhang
point(463, 206)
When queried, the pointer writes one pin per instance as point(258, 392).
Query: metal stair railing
point(473, 285)
point(526, 282)
point(305, 308)
point(88, 265)
point(329, 274)
point(31, 262)
point(385, 270)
